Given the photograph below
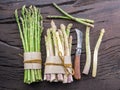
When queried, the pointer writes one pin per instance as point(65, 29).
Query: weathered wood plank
point(106, 14)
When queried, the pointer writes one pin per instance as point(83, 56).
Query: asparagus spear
point(68, 16)
point(46, 77)
point(70, 44)
point(65, 17)
point(50, 77)
point(54, 28)
point(60, 48)
point(56, 77)
point(95, 56)
point(69, 26)
point(88, 52)
point(21, 33)
point(50, 42)
point(63, 28)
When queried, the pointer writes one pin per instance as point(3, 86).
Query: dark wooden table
point(106, 14)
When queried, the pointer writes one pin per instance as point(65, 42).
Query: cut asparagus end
point(53, 77)
point(60, 77)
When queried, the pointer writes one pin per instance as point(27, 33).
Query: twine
point(66, 66)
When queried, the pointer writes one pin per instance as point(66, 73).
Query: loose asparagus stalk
point(88, 52)
point(95, 56)
point(68, 16)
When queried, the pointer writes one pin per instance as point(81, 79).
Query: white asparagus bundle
point(58, 48)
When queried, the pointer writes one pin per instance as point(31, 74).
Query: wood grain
point(77, 74)
point(106, 14)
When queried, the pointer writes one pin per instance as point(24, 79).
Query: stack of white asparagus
point(58, 41)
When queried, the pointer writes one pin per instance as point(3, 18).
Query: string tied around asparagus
point(33, 61)
point(66, 66)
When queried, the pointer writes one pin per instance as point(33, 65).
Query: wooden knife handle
point(77, 74)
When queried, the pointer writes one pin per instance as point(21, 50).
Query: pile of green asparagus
point(30, 27)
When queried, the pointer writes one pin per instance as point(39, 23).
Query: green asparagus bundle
point(30, 28)
point(58, 66)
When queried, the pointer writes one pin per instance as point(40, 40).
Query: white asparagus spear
point(70, 43)
point(88, 52)
point(47, 52)
point(95, 56)
point(60, 48)
point(67, 48)
point(53, 31)
point(60, 75)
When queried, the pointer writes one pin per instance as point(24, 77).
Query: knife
point(77, 74)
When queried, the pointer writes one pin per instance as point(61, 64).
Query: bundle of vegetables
point(58, 66)
point(30, 30)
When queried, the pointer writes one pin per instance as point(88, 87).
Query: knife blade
point(77, 74)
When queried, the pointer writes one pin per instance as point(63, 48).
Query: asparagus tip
point(62, 26)
point(52, 22)
point(54, 3)
point(92, 25)
point(53, 25)
point(103, 30)
point(30, 6)
point(15, 11)
point(23, 6)
point(70, 24)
